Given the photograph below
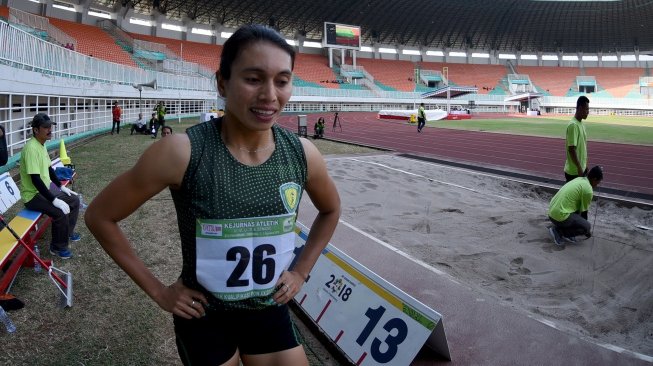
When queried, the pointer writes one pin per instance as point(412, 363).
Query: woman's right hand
point(182, 301)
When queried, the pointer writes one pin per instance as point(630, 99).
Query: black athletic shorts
point(214, 338)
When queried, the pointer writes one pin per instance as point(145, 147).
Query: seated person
point(36, 176)
point(153, 123)
point(319, 129)
point(166, 131)
point(140, 126)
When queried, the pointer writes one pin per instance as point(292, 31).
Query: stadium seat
point(618, 82)
point(4, 13)
point(314, 69)
point(484, 77)
point(556, 80)
point(94, 41)
point(204, 54)
point(391, 73)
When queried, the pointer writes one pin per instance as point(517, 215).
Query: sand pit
point(490, 234)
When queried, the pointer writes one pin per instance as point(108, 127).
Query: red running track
point(627, 167)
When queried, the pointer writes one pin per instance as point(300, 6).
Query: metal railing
point(156, 47)
point(516, 85)
point(425, 74)
point(22, 50)
point(371, 86)
point(180, 67)
point(114, 30)
point(585, 80)
point(41, 23)
point(646, 81)
point(360, 69)
point(184, 68)
point(79, 117)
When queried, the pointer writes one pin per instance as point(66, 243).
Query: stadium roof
point(502, 25)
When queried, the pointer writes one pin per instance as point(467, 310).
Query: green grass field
point(627, 130)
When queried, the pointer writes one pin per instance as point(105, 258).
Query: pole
point(181, 54)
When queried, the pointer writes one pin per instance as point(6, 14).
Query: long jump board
point(370, 320)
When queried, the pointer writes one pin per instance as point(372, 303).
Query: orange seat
point(394, 74)
point(204, 54)
point(555, 80)
point(315, 69)
point(484, 77)
point(94, 41)
point(616, 81)
point(4, 12)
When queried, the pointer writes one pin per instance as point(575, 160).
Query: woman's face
point(259, 87)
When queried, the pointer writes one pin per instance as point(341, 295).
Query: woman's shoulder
point(203, 127)
point(280, 131)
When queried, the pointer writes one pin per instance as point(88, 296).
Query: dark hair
point(168, 127)
point(242, 38)
point(596, 173)
point(582, 100)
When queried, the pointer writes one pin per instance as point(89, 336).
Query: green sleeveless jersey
point(218, 192)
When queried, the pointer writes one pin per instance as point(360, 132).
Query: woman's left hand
point(287, 286)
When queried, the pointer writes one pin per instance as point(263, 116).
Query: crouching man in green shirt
point(568, 208)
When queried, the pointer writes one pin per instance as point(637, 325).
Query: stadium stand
point(94, 41)
point(204, 54)
point(314, 69)
point(394, 74)
point(4, 13)
point(555, 80)
point(618, 82)
point(484, 77)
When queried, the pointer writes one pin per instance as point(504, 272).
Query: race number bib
point(242, 258)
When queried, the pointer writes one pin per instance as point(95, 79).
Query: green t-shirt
point(421, 112)
point(576, 136)
point(34, 159)
point(575, 196)
point(160, 111)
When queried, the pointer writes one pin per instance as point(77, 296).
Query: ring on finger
point(192, 304)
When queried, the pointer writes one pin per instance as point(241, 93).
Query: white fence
point(81, 116)
point(42, 23)
point(23, 50)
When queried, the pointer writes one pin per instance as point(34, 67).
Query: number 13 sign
point(369, 319)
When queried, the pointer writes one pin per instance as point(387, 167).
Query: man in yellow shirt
point(421, 117)
point(41, 190)
point(568, 208)
point(576, 141)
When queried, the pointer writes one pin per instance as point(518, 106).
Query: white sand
point(490, 234)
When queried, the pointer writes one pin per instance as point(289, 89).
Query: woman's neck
point(246, 141)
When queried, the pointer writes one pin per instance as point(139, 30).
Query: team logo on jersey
point(290, 195)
